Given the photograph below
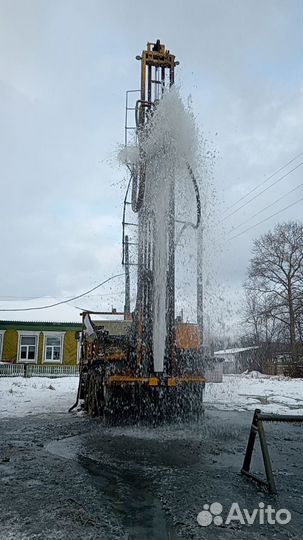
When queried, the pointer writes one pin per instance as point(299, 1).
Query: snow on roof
point(236, 350)
point(62, 313)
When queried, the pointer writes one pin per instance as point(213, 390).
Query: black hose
point(198, 201)
point(197, 193)
point(78, 396)
point(138, 194)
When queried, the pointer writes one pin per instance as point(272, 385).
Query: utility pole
point(127, 280)
point(200, 251)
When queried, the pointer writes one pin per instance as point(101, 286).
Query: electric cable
point(266, 207)
point(263, 191)
point(65, 301)
point(266, 219)
point(263, 182)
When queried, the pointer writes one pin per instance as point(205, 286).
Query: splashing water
point(170, 144)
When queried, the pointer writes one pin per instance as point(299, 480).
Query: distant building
point(237, 359)
point(213, 369)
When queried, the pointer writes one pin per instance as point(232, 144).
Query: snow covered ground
point(253, 390)
point(21, 397)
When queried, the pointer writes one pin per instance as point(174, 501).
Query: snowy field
point(21, 397)
point(254, 390)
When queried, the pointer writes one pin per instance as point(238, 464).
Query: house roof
point(236, 350)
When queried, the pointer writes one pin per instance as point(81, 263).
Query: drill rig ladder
point(129, 129)
point(127, 262)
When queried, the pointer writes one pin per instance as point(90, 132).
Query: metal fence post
point(266, 458)
point(251, 442)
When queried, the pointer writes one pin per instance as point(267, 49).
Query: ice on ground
point(38, 395)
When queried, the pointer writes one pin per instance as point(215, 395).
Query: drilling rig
point(149, 365)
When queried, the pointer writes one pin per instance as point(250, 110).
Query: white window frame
point(28, 333)
point(2, 332)
point(59, 335)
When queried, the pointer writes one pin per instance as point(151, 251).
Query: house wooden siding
point(11, 331)
point(10, 345)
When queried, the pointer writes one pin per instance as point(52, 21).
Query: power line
point(266, 219)
point(263, 191)
point(11, 297)
point(263, 182)
point(65, 301)
point(266, 207)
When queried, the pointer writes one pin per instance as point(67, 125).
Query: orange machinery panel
point(188, 336)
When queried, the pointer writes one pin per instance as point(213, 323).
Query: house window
point(53, 347)
point(28, 347)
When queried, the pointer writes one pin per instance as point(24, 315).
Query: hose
point(198, 202)
point(197, 193)
point(78, 396)
point(138, 194)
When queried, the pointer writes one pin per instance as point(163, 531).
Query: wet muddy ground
point(66, 476)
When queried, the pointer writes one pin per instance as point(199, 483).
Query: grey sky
point(65, 66)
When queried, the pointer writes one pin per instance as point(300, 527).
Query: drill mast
point(157, 75)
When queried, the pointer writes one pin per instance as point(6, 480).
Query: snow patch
point(253, 390)
point(38, 395)
point(21, 397)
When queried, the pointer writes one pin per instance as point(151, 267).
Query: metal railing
point(257, 428)
point(12, 370)
point(36, 370)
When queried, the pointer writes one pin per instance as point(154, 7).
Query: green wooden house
point(39, 342)
point(37, 336)
point(45, 337)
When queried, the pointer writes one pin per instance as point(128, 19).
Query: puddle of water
point(130, 494)
point(133, 500)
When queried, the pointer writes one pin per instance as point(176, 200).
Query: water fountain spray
point(153, 367)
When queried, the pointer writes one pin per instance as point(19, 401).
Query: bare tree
point(260, 327)
point(275, 283)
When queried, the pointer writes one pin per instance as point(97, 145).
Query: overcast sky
point(64, 69)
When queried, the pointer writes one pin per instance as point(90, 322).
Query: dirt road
point(70, 477)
